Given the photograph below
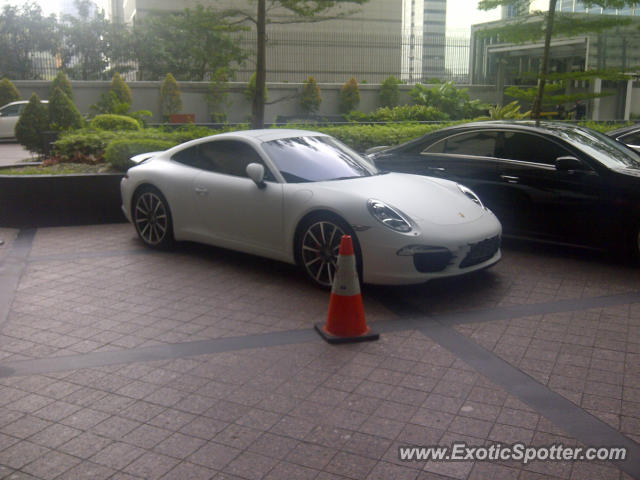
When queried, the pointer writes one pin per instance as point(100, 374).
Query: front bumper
point(471, 247)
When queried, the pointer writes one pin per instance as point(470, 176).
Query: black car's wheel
point(317, 247)
point(152, 218)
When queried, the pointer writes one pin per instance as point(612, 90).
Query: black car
point(630, 136)
point(556, 182)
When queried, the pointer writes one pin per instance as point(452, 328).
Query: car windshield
point(316, 159)
point(606, 150)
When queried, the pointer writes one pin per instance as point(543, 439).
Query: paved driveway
point(11, 153)
point(121, 362)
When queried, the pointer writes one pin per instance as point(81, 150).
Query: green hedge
point(119, 152)
point(403, 113)
point(110, 121)
point(89, 146)
point(83, 146)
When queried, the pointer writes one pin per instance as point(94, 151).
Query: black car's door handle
point(437, 169)
point(510, 179)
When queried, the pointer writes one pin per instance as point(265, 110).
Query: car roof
point(20, 102)
point(528, 125)
point(269, 134)
point(623, 130)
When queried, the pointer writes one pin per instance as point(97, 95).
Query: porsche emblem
point(461, 215)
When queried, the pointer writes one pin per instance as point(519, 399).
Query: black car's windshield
point(316, 159)
point(606, 150)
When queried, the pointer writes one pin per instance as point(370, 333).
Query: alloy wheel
point(151, 218)
point(319, 251)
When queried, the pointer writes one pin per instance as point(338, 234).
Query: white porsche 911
point(290, 195)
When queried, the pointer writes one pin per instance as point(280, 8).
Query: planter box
point(182, 118)
point(56, 200)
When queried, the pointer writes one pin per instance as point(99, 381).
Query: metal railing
point(331, 57)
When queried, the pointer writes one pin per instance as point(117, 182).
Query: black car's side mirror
point(571, 164)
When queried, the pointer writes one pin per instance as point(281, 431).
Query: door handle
point(437, 169)
point(201, 191)
point(510, 179)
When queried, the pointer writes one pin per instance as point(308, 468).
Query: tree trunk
point(544, 67)
point(257, 108)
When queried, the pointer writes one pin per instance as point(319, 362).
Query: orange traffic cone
point(345, 321)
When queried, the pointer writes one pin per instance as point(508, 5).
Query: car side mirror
point(571, 164)
point(255, 171)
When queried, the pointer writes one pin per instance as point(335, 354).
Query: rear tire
point(152, 218)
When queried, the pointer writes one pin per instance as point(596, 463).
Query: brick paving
point(305, 410)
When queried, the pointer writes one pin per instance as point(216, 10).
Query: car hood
point(424, 199)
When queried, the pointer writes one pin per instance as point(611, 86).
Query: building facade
point(405, 38)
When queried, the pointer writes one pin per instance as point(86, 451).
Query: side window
point(529, 148)
point(631, 138)
point(229, 157)
point(477, 144)
point(12, 111)
point(191, 157)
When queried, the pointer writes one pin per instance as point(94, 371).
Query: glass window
point(606, 150)
point(529, 148)
point(631, 138)
point(229, 157)
point(478, 144)
point(316, 159)
point(11, 111)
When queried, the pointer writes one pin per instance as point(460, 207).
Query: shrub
point(32, 122)
point(250, 91)
point(120, 89)
point(170, 99)
point(449, 99)
point(82, 146)
point(62, 82)
point(114, 122)
point(218, 95)
point(8, 92)
point(404, 113)
point(349, 96)
point(63, 114)
point(389, 95)
point(310, 99)
point(119, 152)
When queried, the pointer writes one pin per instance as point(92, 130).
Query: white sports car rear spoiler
point(141, 157)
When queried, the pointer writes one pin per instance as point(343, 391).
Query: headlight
point(470, 195)
point(389, 217)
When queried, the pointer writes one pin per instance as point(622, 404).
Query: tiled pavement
point(117, 362)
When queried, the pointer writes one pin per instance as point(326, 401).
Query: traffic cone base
point(368, 336)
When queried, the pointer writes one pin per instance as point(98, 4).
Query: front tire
point(152, 218)
point(317, 247)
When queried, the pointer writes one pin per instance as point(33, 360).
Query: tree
point(62, 82)
point(63, 114)
point(349, 96)
point(91, 45)
point(33, 121)
point(170, 99)
point(24, 31)
point(120, 89)
point(194, 44)
point(548, 23)
point(299, 11)
point(389, 92)
point(311, 98)
point(8, 92)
